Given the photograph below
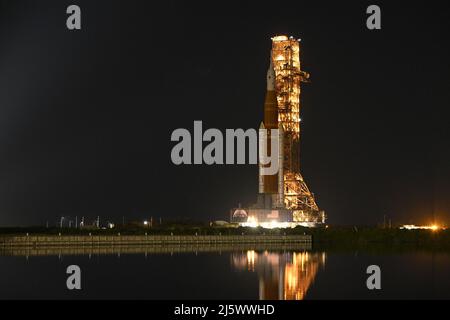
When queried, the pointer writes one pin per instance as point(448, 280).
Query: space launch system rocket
point(272, 184)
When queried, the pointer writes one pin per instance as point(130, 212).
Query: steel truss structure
point(288, 77)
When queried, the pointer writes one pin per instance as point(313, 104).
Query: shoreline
point(332, 237)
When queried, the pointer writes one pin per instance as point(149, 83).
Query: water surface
point(291, 273)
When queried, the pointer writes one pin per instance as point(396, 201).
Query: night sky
point(86, 116)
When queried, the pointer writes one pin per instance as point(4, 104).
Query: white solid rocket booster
point(261, 141)
point(280, 165)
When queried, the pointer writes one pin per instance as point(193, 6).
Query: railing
point(96, 240)
point(149, 249)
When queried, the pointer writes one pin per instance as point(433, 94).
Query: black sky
point(86, 116)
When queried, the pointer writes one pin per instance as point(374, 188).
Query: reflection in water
point(282, 275)
point(285, 271)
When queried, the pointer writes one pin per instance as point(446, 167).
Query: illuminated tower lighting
point(288, 77)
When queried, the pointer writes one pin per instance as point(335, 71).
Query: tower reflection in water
point(282, 275)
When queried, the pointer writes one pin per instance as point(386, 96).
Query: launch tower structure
point(288, 79)
point(283, 199)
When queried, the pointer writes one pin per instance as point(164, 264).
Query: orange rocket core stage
point(270, 122)
point(271, 111)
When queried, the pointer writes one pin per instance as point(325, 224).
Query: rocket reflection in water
point(282, 275)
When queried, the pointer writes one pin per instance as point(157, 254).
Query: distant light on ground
point(433, 227)
point(252, 222)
